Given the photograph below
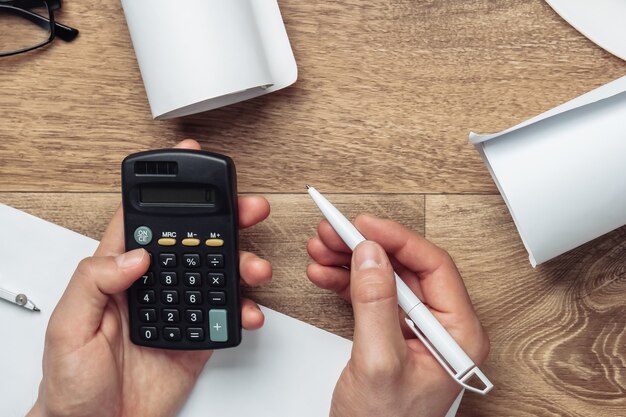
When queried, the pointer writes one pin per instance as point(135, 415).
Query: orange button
point(167, 241)
point(214, 242)
point(191, 242)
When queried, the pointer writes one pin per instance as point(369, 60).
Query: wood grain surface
point(387, 93)
point(390, 87)
point(558, 332)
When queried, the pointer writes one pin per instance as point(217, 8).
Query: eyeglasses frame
point(21, 8)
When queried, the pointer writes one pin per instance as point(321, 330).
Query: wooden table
point(378, 119)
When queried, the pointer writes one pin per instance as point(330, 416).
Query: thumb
point(78, 314)
point(377, 333)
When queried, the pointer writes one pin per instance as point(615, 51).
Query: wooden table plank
point(558, 332)
point(387, 92)
point(281, 239)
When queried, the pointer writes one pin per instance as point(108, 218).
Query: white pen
point(19, 299)
point(425, 326)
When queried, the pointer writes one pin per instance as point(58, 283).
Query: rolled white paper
point(562, 174)
point(197, 55)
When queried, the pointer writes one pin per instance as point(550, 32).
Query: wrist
point(37, 410)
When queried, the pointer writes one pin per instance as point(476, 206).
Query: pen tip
point(308, 186)
point(36, 309)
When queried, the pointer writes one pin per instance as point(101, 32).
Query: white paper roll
point(197, 55)
point(563, 174)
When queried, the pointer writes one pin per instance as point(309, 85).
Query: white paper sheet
point(198, 55)
point(562, 174)
point(288, 368)
point(602, 21)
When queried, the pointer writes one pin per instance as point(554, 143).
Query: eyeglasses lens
point(23, 27)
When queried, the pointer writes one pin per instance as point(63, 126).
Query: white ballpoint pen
point(19, 299)
point(421, 321)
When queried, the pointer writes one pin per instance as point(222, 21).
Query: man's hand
point(391, 373)
point(90, 366)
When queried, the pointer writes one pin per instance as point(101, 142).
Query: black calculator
point(181, 206)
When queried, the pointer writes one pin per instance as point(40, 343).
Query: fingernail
point(130, 259)
point(368, 255)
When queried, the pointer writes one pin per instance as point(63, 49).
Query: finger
point(112, 242)
point(409, 277)
point(377, 333)
point(325, 256)
point(78, 314)
point(332, 278)
point(188, 144)
point(442, 286)
point(252, 318)
point(330, 238)
point(254, 270)
point(252, 210)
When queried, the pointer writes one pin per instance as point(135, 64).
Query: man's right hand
point(391, 373)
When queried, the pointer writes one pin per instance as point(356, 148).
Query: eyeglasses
point(29, 24)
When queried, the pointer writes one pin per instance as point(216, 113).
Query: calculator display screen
point(180, 194)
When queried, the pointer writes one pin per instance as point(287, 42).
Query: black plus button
point(167, 260)
point(171, 334)
point(217, 298)
point(191, 260)
point(215, 261)
point(216, 279)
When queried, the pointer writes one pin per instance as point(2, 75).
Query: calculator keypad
point(183, 297)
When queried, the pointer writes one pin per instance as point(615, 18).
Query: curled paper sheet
point(601, 21)
point(199, 55)
point(562, 174)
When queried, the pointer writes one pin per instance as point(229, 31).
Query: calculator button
point(143, 235)
point(192, 279)
point(191, 242)
point(217, 298)
point(170, 315)
point(147, 315)
point(195, 334)
point(194, 316)
point(148, 333)
point(167, 260)
point(216, 280)
point(171, 334)
point(166, 241)
point(191, 260)
point(214, 242)
point(216, 261)
point(169, 297)
point(146, 279)
point(218, 325)
point(193, 297)
point(169, 278)
point(146, 297)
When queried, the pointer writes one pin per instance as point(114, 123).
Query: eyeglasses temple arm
point(62, 31)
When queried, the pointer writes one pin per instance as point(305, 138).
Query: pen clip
point(460, 379)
